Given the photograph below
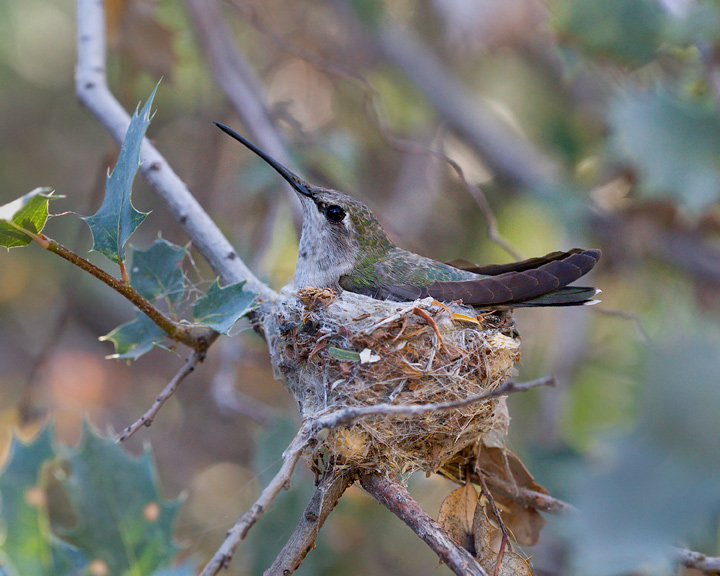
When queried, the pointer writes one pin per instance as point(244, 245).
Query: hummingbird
point(343, 246)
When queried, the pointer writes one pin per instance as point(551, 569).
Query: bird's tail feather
point(567, 296)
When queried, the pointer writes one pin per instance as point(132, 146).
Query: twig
point(93, 93)
point(501, 524)
point(527, 497)
point(398, 500)
point(514, 159)
point(698, 561)
point(147, 418)
point(344, 416)
point(221, 558)
point(196, 338)
point(632, 316)
point(332, 485)
point(56, 326)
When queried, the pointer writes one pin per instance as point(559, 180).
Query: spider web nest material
point(336, 351)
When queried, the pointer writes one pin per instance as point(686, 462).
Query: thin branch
point(398, 500)
point(344, 416)
point(147, 418)
point(221, 558)
point(513, 158)
point(698, 561)
point(527, 497)
point(501, 524)
point(57, 325)
point(626, 315)
point(332, 485)
point(341, 417)
point(93, 93)
point(196, 338)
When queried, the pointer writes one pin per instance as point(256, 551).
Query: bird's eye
point(334, 213)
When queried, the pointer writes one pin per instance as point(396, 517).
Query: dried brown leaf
point(524, 524)
point(488, 539)
point(512, 565)
point(457, 513)
point(486, 536)
point(503, 463)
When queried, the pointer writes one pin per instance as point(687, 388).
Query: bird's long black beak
point(297, 183)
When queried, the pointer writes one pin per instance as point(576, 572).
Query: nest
point(336, 351)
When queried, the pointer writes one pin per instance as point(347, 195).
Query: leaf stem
point(123, 273)
point(199, 339)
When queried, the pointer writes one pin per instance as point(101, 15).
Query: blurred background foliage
point(584, 122)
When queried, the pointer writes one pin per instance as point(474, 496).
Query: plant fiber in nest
point(336, 351)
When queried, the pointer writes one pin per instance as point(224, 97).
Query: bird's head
point(337, 230)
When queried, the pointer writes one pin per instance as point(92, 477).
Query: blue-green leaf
point(133, 339)
point(29, 212)
point(117, 218)
point(674, 144)
point(123, 519)
point(629, 31)
point(27, 548)
point(157, 271)
point(221, 307)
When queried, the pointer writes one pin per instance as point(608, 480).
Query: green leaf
point(629, 31)
point(156, 271)
point(344, 354)
point(27, 548)
point(117, 218)
point(674, 144)
point(133, 339)
point(221, 307)
point(29, 212)
point(122, 518)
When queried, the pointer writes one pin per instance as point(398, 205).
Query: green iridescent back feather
point(389, 265)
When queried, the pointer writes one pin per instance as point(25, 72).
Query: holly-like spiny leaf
point(124, 521)
point(157, 272)
point(135, 338)
point(117, 219)
point(221, 307)
point(27, 548)
point(29, 212)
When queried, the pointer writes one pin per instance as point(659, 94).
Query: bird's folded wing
point(504, 288)
point(519, 266)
